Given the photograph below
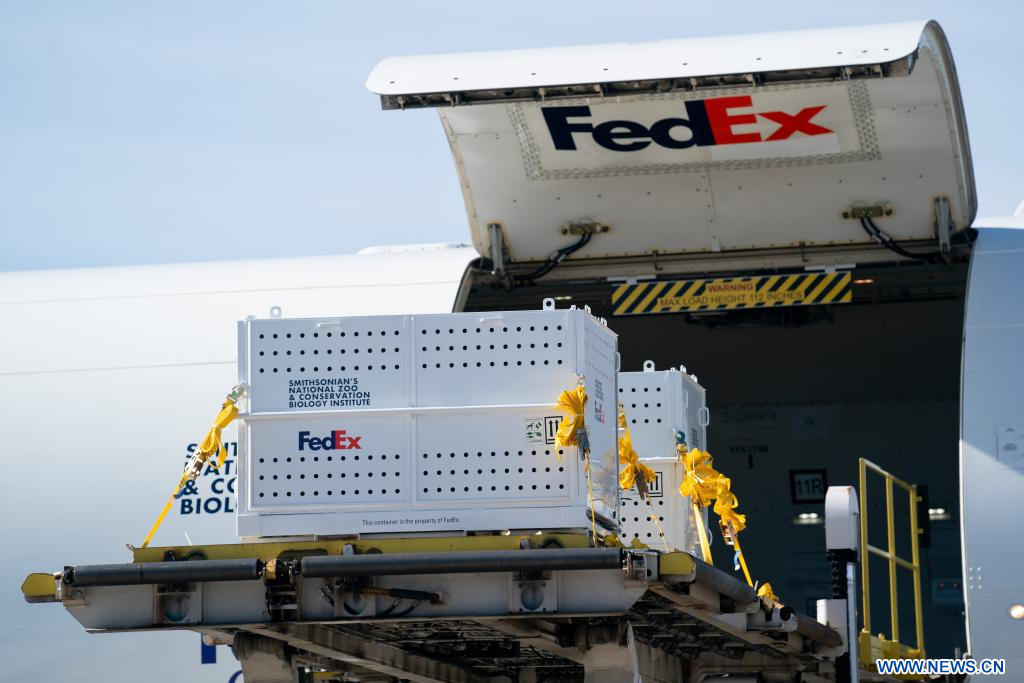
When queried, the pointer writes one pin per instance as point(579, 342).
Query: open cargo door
point(702, 146)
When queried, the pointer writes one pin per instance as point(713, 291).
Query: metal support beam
point(263, 660)
point(541, 634)
point(608, 663)
point(627, 660)
point(404, 564)
point(373, 656)
point(943, 226)
point(496, 236)
point(370, 615)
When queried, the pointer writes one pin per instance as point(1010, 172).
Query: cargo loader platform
point(465, 609)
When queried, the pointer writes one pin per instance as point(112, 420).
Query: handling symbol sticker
point(551, 428)
point(534, 430)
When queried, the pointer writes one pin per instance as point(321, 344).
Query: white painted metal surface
point(753, 164)
point(107, 375)
point(658, 404)
point(992, 446)
point(661, 402)
point(750, 53)
point(842, 518)
point(423, 423)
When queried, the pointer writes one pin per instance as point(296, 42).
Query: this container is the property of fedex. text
point(423, 423)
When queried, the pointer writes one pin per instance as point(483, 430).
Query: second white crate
point(658, 404)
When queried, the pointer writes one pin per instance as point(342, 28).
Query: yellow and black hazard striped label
point(719, 294)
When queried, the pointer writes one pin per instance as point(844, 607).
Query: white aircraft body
point(800, 154)
point(110, 376)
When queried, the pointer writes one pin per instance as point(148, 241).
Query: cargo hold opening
point(797, 394)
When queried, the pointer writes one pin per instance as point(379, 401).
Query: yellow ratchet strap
point(703, 484)
point(731, 522)
point(572, 431)
point(696, 485)
point(766, 592)
point(636, 473)
point(211, 445)
point(699, 477)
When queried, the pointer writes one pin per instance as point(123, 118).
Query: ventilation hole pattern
point(329, 477)
point(300, 349)
point(492, 474)
point(637, 519)
point(655, 404)
point(462, 348)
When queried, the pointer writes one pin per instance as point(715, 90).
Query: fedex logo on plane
point(337, 440)
point(708, 122)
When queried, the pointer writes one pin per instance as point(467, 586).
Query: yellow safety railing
point(874, 647)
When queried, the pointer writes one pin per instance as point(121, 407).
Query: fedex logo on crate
point(661, 133)
point(337, 440)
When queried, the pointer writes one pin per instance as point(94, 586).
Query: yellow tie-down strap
point(719, 294)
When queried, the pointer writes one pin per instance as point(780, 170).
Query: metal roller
point(816, 631)
point(162, 572)
point(719, 581)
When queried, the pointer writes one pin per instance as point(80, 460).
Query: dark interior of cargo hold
point(797, 394)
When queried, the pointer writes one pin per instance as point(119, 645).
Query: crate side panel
point(650, 400)
point(492, 358)
point(330, 461)
point(503, 457)
point(299, 364)
point(665, 503)
point(697, 434)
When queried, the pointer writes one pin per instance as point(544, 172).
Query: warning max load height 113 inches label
point(716, 294)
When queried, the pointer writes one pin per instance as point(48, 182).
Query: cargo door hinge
point(499, 255)
point(944, 226)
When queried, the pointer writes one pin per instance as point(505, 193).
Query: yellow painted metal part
point(271, 550)
point(39, 587)
point(874, 647)
point(676, 564)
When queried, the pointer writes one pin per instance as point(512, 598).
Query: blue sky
point(136, 133)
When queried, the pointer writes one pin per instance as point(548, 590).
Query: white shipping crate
point(657, 405)
point(423, 423)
